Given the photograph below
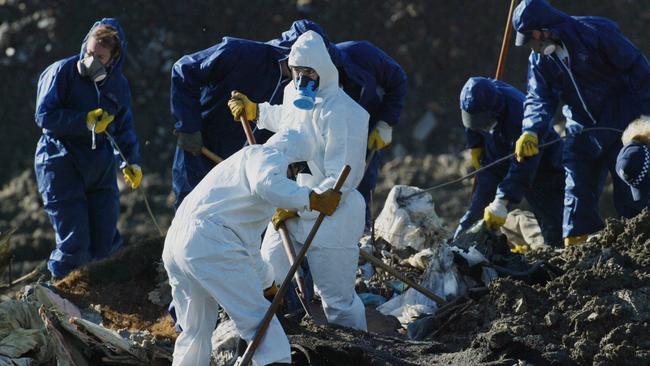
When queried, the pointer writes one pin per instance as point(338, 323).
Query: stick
point(423, 290)
point(247, 127)
point(270, 313)
point(291, 254)
point(210, 155)
point(247, 130)
point(505, 44)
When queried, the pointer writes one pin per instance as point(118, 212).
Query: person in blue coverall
point(375, 81)
point(79, 99)
point(604, 80)
point(201, 86)
point(492, 112)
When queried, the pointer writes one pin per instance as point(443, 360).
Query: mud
point(119, 288)
point(597, 312)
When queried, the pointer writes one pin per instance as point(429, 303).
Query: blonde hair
point(108, 37)
point(638, 131)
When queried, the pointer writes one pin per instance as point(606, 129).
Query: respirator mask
point(91, 67)
point(544, 45)
point(305, 79)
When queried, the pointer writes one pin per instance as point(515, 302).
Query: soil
point(119, 286)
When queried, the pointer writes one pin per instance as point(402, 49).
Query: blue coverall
point(539, 179)
point(378, 83)
point(604, 82)
point(78, 184)
point(201, 86)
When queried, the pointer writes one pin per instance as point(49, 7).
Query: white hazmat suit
point(211, 251)
point(339, 127)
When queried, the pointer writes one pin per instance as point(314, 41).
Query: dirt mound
point(119, 288)
point(597, 312)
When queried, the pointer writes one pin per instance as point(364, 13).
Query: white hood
point(309, 51)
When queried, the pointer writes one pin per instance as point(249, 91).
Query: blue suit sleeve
point(541, 100)
point(481, 198)
point(51, 113)
point(124, 133)
point(390, 76)
point(474, 139)
point(191, 73)
point(626, 58)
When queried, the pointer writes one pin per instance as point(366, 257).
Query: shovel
point(270, 313)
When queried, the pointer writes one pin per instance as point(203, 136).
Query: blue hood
point(481, 95)
point(299, 27)
point(120, 31)
point(532, 15)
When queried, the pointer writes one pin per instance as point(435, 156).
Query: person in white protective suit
point(211, 251)
point(314, 103)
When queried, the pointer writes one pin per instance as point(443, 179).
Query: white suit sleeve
point(270, 116)
point(266, 171)
point(339, 153)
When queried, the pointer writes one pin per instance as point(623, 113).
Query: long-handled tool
point(247, 127)
point(505, 46)
point(421, 289)
point(282, 229)
point(210, 155)
point(141, 188)
point(270, 313)
point(291, 255)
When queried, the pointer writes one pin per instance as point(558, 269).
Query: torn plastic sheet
point(413, 224)
point(441, 277)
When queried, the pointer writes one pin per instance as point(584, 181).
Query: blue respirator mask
point(306, 85)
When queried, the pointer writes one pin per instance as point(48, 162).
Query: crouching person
point(211, 252)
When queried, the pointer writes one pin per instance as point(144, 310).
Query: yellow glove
point(526, 146)
point(380, 136)
point(132, 175)
point(325, 202)
point(239, 103)
point(573, 240)
point(269, 292)
point(281, 215)
point(495, 214)
point(476, 157)
point(104, 120)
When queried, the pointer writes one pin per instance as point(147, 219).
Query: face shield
point(482, 121)
point(305, 80)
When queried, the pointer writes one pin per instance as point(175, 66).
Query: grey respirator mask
point(91, 67)
point(544, 46)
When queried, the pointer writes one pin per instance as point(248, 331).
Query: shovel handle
point(270, 313)
point(247, 127)
point(210, 155)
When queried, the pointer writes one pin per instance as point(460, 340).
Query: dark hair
point(108, 37)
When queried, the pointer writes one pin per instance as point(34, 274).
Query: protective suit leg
point(103, 213)
point(207, 256)
point(369, 182)
point(333, 271)
point(585, 172)
point(546, 201)
point(62, 190)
